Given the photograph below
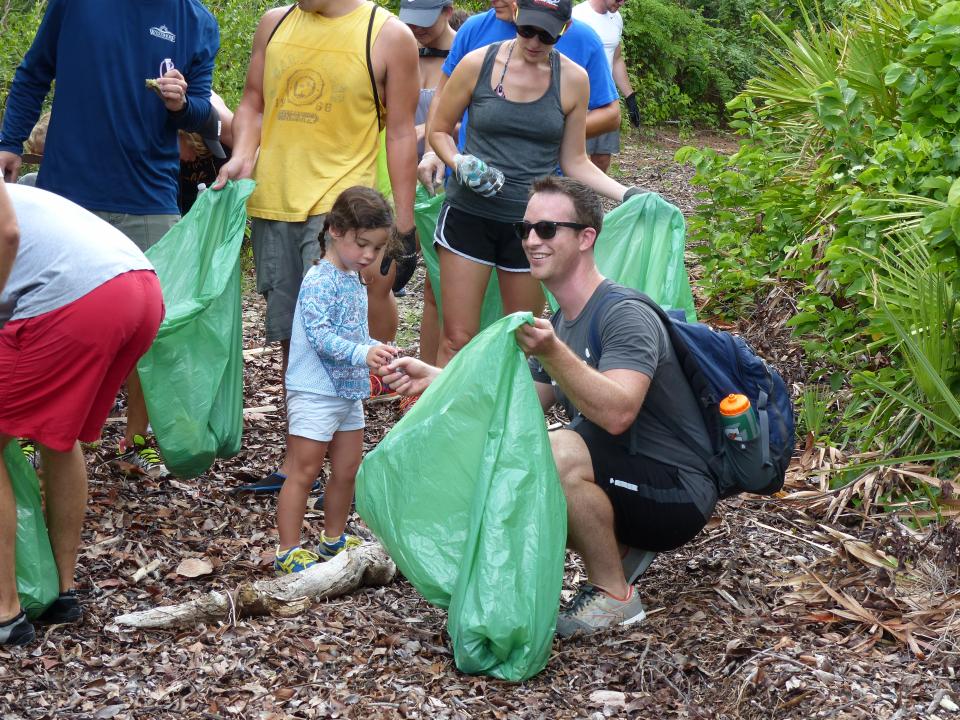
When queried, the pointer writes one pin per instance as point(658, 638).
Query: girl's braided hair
point(358, 208)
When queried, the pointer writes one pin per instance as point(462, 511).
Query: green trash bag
point(38, 582)
point(464, 494)
point(192, 376)
point(426, 210)
point(641, 246)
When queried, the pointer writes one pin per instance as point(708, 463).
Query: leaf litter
point(803, 606)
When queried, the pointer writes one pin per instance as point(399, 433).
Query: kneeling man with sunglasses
point(633, 487)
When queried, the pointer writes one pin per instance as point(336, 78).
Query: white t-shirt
point(609, 26)
point(65, 252)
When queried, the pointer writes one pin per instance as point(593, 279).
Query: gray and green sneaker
point(143, 458)
point(592, 610)
point(30, 452)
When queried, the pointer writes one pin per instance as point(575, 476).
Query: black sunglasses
point(546, 229)
point(528, 31)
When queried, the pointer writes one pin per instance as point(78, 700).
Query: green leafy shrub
point(847, 185)
point(18, 24)
point(238, 20)
point(685, 67)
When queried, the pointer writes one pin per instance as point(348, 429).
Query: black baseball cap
point(210, 132)
point(549, 15)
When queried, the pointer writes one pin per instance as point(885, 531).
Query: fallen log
point(260, 351)
point(365, 566)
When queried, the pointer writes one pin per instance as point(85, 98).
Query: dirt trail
point(789, 608)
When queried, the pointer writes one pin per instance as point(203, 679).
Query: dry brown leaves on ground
point(812, 605)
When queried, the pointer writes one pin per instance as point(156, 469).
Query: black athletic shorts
point(652, 510)
point(489, 242)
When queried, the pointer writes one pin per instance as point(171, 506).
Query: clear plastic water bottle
point(472, 169)
point(738, 418)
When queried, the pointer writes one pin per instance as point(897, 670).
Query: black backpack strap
point(764, 417)
point(373, 80)
point(277, 26)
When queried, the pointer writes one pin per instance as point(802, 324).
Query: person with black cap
point(527, 106)
point(204, 152)
point(112, 142)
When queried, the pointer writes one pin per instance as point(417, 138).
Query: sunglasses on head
point(529, 31)
point(546, 229)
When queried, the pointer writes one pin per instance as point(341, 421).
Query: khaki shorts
point(144, 230)
point(283, 252)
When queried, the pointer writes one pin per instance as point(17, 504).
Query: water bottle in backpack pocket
point(742, 444)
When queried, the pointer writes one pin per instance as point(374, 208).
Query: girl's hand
point(380, 355)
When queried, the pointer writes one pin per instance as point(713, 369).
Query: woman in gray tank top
point(527, 106)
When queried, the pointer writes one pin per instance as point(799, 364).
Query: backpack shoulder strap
point(277, 26)
point(373, 80)
point(688, 365)
point(613, 296)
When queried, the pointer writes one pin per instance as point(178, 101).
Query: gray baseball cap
point(422, 13)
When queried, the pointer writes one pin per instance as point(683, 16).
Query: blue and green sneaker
point(294, 560)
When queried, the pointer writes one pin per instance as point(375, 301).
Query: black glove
point(631, 191)
point(632, 110)
point(405, 255)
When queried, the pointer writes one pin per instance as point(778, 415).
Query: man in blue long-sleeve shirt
point(112, 143)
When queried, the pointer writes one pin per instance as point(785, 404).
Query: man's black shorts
point(489, 242)
point(651, 507)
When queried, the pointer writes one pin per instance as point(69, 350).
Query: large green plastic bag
point(464, 494)
point(38, 583)
point(641, 246)
point(192, 376)
point(426, 210)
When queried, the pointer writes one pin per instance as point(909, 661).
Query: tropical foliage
point(847, 186)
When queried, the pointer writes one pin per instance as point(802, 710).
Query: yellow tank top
point(319, 133)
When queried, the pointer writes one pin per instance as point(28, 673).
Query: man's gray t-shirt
point(632, 337)
point(65, 252)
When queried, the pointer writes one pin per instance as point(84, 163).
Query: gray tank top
point(423, 106)
point(521, 139)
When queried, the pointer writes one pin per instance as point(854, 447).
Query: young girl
point(330, 354)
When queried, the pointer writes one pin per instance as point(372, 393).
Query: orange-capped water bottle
point(738, 418)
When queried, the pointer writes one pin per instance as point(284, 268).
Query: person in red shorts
point(80, 306)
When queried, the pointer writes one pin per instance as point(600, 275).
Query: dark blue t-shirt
point(111, 144)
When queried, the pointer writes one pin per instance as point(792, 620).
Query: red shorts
point(62, 369)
